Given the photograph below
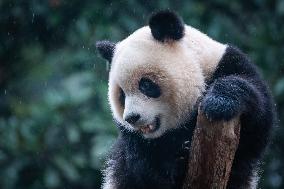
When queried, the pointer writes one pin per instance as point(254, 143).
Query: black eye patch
point(149, 88)
point(122, 97)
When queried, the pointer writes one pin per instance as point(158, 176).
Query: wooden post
point(212, 153)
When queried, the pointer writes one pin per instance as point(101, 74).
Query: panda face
point(152, 88)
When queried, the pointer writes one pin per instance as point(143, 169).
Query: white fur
point(254, 180)
point(108, 182)
point(178, 67)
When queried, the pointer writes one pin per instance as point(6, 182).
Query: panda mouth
point(150, 128)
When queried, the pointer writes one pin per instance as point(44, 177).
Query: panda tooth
point(147, 128)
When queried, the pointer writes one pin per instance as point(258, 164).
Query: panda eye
point(149, 88)
point(122, 97)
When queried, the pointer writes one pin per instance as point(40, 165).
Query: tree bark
point(212, 153)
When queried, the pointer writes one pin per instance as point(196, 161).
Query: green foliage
point(55, 123)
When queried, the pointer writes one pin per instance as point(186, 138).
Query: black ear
point(106, 49)
point(166, 25)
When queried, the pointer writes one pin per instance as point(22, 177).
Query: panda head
point(157, 74)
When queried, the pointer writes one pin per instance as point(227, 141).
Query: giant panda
point(160, 75)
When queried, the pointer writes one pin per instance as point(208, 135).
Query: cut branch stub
point(212, 153)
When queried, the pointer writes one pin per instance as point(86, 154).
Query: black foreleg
point(231, 96)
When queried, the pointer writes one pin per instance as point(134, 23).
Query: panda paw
point(217, 108)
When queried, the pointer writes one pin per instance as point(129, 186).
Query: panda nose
point(132, 119)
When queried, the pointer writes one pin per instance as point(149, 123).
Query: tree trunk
point(212, 153)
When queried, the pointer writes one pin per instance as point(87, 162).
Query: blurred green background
point(55, 122)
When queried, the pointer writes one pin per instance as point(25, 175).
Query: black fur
point(106, 49)
point(166, 25)
point(235, 88)
point(140, 163)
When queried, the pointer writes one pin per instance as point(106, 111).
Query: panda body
point(159, 76)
